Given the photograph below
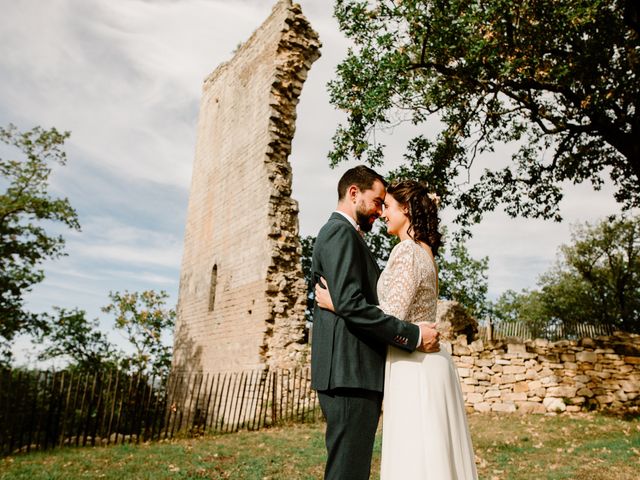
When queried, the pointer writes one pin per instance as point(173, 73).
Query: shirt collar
point(351, 220)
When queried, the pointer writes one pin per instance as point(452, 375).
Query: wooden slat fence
point(43, 410)
point(522, 331)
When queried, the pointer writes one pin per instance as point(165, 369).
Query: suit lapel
point(339, 217)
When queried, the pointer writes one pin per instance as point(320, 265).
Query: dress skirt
point(425, 435)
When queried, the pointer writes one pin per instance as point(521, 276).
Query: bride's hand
point(323, 296)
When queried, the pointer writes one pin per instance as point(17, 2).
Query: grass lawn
point(583, 446)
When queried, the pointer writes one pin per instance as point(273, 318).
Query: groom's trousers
point(352, 420)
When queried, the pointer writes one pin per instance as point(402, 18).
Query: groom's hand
point(430, 338)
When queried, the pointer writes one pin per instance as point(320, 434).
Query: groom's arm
point(340, 264)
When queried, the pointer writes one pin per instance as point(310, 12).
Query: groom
point(349, 347)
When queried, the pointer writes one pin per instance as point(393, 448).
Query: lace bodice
point(407, 285)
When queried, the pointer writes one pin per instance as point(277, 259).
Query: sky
point(125, 78)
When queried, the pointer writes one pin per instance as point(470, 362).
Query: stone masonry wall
point(539, 376)
point(242, 292)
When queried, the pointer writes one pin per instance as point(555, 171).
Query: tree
point(71, 335)
point(558, 80)
point(464, 279)
point(596, 281)
point(528, 307)
point(25, 204)
point(143, 318)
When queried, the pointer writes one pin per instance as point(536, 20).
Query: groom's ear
point(352, 192)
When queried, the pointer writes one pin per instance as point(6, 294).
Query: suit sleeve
point(343, 269)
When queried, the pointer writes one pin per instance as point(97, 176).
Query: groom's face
point(369, 205)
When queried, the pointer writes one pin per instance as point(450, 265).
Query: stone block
point(620, 395)
point(585, 392)
point(604, 399)
point(503, 407)
point(534, 384)
point(521, 387)
point(484, 362)
point(630, 386)
point(514, 397)
point(554, 404)
point(467, 388)
point(513, 369)
point(562, 391)
point(549, 381)
point(516, 348)
point(589, 357)
point(482, 407)
point(531, 407)
point(474, 398)
point(467, 359)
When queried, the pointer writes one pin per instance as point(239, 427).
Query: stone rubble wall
point(242, 292)
point(539, 376)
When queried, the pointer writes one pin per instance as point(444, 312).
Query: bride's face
point(395, 216)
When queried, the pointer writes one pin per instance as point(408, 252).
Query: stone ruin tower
point(242, 293)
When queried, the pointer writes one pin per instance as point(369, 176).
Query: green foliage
point(25, 204)
point(526, 306)
point(464, 279)
point(560, 81)
point(381, 243)
point(596, 281)
point(143, 318)
point(71, 335)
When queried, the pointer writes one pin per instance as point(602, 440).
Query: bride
point(424, 426)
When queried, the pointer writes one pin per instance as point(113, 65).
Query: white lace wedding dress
point(424, 425)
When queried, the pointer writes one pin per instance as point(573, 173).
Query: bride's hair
point(422, 211)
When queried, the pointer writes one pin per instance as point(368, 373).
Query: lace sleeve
point(402, 282)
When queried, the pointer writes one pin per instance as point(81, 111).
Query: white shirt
point(351, 220)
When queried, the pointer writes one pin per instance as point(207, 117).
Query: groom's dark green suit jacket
point(349, 347)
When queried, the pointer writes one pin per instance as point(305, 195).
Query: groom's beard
point(364, 220)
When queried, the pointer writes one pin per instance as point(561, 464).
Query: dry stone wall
point(242, 293)
point(539, 376)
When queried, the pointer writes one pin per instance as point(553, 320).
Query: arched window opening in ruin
point(212, 291)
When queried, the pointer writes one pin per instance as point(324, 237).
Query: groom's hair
point(361, 176)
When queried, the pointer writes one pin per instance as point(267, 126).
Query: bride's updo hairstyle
point(422, 211)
